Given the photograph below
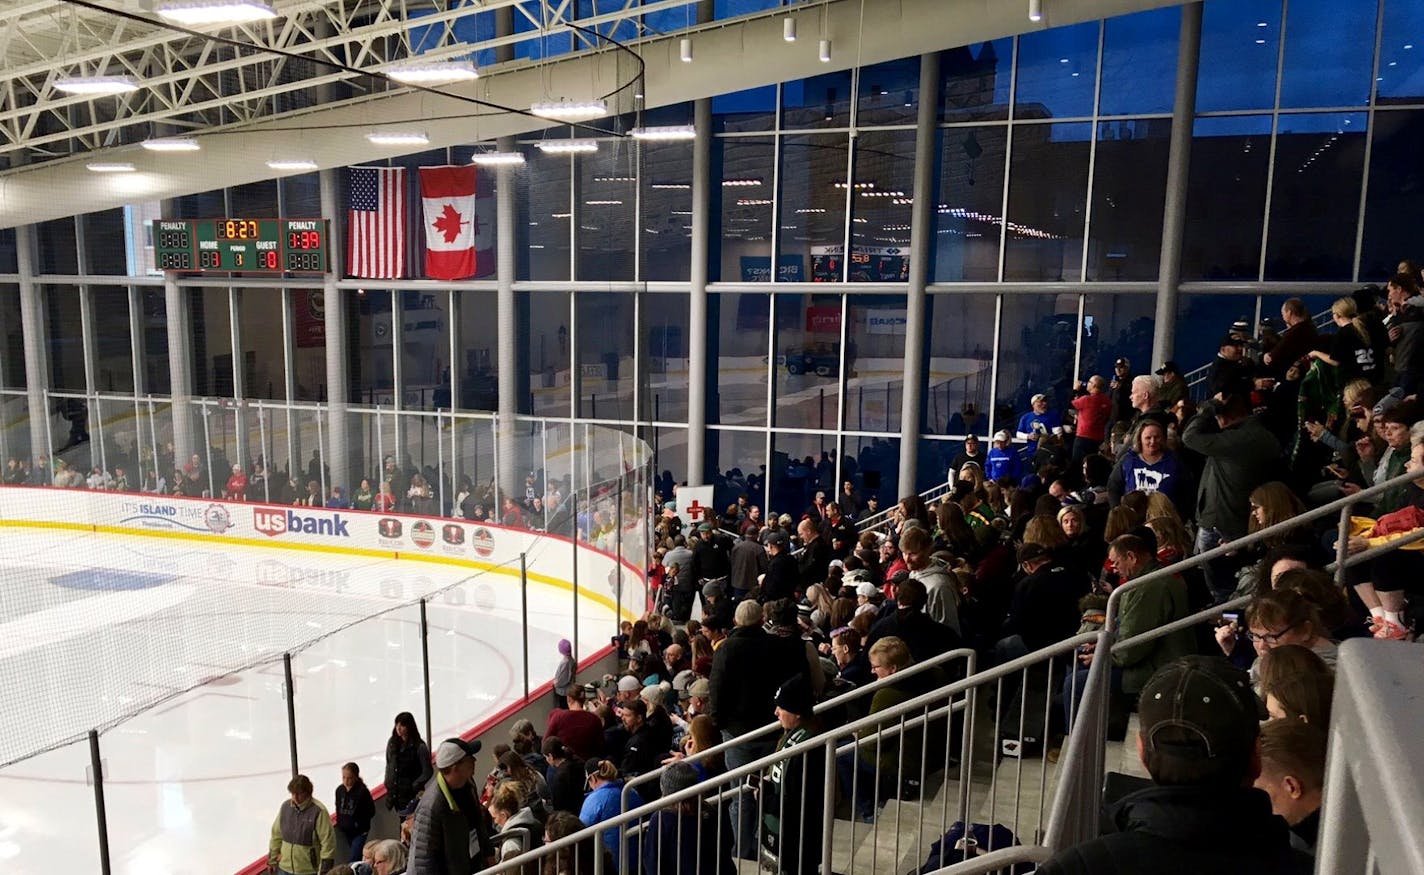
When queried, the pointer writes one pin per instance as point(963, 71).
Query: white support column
point(508, 338)
point(32, 324)
point(338, 375)
point(697, 352)
point(180, 364)
point(1174, 213)
point(922, 232)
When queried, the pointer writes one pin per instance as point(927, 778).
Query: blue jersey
point(1031, 424)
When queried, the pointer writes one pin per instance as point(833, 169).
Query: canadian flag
point(451, 224)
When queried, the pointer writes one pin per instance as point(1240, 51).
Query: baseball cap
point(1122, 363)
point(705, 527)
point(1037, 398)
point(1205, 697)
point(1231, 340)
point(712, 589)
point(865, 589)
point(1030, 552)
point(683, 679)
point(453, 750)
point(1001, 435)
point(629, 684)
point(1168, 368)
point(778, 538)
point(701, 688)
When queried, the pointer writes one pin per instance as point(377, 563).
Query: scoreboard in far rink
point(241, 245)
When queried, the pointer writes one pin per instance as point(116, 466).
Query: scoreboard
point(241, 245)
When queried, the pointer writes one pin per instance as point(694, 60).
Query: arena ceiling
point(258, 91)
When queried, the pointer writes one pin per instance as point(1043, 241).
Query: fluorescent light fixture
point(1035, 10)
point(200, 12)
point(666, 132)
point(684, 48)
point(671, 186)
point(753, 202)
point(96, 85)
point(788, 29)
point(397, 138)
point(291, 164)
point(495, 159)
point(171, 144)
point(566, 147)
point(110, 167)
point(603, 203)
point(740, 183)
point(825, 51)
point(433, 72)
point(566, 109)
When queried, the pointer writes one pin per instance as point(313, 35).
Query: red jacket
point(1093, 412)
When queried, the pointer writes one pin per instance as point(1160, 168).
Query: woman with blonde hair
point(1352, 351)
point(1158, 505)
point(1044, 531)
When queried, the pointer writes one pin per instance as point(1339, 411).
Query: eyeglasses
point(1271, 638)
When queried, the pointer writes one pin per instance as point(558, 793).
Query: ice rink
point(96, 626)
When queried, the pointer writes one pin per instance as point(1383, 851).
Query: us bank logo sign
point(275, 522)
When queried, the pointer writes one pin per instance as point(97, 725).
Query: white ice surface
point(192, 784)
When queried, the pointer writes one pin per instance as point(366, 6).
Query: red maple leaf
point(449, 223)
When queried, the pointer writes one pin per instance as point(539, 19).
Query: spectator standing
point(1151, 466)
point(782, 573)
point(566, 776)
point(973, 452)
point(1003, 462)
point(578, 728)
point(564, 674)
point(302, 839)
point(1299, 339)
point(449, 821)
point(354, 809)
point(1094, 408)
point(794, 789)
point(815, 557)
point(1240, 455)
point(407, 763)
point(685, 837)
point(1352, 349)
point(1230, 369)
point(1037, 422)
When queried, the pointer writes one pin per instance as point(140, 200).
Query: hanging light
point(567, 109)
point(665, 133)
point(397, 138)
point(566, 147)
point(684, 46)
point(171, 144)
point(495, 159)
point(291, 164)
point(110, 167)
point(1035, 10)
point(196, 13)
point(97, 86)
point(825, 51)
point(433, 72)
point(788, 29)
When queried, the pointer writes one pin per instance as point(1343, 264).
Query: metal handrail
point(826, 739)
point(970, 659)
point(995, 861)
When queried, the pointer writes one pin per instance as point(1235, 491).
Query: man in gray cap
point(451, 835)
point(1199, 739)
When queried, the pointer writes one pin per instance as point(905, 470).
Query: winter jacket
point(1238, 459)
point(566, 786)
point(814, 562)
point(1187, 831)
point(407, 771)
point(792, 794)
point(782, 577)
point(924, 636)
point(440, 839)
point(675, 842)
point(941, 594)
point(1409, 350)
point(354, 809)
point(1044, 609)
point(302, 839)
point(526, 833)
point(744, 680)
point(1143, 608)
point(606, 803)
point(580, 731)
point(1004, 463)
point(749, 560)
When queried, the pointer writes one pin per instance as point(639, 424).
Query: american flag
point(377, 222)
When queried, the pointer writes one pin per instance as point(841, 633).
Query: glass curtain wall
point(1049, 175)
